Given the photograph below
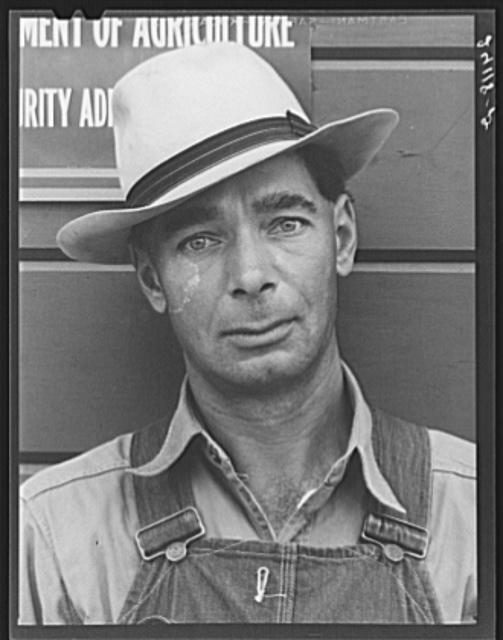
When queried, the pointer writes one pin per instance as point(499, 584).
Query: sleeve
point(452, 556)
point(43, 598)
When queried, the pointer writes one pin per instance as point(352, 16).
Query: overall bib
point(187, 577)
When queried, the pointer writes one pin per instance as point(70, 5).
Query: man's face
point(247, 272)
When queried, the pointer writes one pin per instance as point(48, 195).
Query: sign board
point(69, 67)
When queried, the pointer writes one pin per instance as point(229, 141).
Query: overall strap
point(167, 515)
point(403, 454)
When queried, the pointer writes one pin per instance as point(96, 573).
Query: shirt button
point(393, 552)
point(176, 551)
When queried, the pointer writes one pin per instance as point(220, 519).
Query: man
point(274, 493)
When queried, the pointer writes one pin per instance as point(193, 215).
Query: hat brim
point(103, 236)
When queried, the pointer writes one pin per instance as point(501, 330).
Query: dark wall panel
point(419, 190)
point(95, 361)
point(411, 339)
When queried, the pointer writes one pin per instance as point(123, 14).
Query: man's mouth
point(257, 334)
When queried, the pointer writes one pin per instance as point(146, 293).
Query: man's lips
point(259, 335)
point(256, 328)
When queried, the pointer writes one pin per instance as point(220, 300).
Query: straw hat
point(187, 119)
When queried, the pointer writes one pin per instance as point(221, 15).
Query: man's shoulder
point(451, 454)
point(112, 457)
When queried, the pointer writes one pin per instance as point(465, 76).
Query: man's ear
point(345, 234)
point(148, 278)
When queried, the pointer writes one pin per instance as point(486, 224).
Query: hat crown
point(177, 99)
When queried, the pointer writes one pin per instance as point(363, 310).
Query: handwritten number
point(487, 121)
point(486, 87)
point(486, 42)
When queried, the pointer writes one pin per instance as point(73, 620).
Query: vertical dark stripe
point(10, 214)
point(485, 308)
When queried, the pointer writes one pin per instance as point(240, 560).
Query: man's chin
point(265, 374)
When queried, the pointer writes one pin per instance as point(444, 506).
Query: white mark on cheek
point(189, 288)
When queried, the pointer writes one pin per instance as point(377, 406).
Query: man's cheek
point(317, 275)
point(184, 290)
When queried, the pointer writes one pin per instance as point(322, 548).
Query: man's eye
point(288, 225)
point(197, 244)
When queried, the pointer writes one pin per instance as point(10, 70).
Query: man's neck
point(283, 443)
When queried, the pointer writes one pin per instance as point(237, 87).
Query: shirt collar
point(360, 439)
point(185, 425)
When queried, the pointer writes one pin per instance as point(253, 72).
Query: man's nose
point(251, 271)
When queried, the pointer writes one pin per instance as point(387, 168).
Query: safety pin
point(262, 578)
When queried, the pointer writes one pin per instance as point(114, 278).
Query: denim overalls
point(187, 577)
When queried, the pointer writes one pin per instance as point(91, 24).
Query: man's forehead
point(285, 172)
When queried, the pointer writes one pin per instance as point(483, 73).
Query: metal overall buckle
point(170, 536)
point(413, 541)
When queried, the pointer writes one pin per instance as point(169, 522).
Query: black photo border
point(485, 261)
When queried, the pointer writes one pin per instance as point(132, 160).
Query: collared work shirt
point(79, 518)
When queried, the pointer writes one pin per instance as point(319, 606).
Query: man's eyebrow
point(279, 201)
